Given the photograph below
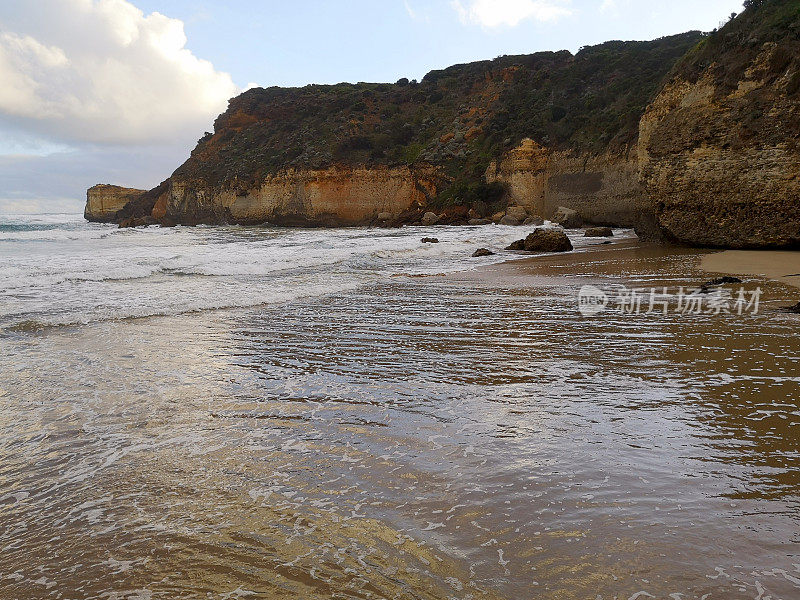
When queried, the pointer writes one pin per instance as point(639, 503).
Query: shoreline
point(782, 266)
point(644, 264)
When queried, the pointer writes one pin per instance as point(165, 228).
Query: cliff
point(333, 196)
point(719, 148)
point(343, 154)
point(103, 201)
point(604, 188)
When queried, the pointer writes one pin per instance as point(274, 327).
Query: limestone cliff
point(336, 196)
point(342, 154)
point(719, 147)
point(603, 188)
point(103, 201)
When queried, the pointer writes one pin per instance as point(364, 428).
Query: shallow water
point(469, 436)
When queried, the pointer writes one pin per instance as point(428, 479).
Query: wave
point(77, 272)
point(119, 314)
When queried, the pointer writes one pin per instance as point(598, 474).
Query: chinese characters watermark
point(593, 300)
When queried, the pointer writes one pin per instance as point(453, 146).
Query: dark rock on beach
point(430, 240)
point(599, 232)
point(793, 309)
point(543, 240)
point(482, 252)
point(706, 287)
point(724, 280)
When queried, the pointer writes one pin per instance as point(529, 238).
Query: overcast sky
point(116, 91)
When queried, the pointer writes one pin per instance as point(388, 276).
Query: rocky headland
point(104, 201)
point(691, 139)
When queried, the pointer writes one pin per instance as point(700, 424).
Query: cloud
point(101, 71)
point(497, 13)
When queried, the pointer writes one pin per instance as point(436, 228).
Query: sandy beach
point(626, 260)
point(779, 265)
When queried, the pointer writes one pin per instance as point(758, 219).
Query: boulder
point(385, 216)
point(535, 220)
point(544, 240)
point(137, 222)
point(430, 218)
point(517, 212)
point(509, 220)
point(599, 232)
point(793, 309)
point(482, 252)
point(568, 218)
point(727, 279)
point(429, 240)
point(480, 222)
point(497, 216)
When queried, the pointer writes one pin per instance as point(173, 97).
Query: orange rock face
point(329, 197)
point(721, 163)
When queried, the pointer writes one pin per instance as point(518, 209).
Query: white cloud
point(608, 5)
point(497, 13)
point(101, 71)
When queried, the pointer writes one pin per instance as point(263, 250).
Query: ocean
point(233, 412)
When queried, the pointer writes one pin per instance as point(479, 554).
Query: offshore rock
point(103, 201)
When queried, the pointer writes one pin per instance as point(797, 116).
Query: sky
point(119, 91)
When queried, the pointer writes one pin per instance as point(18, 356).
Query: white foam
point(58, 269)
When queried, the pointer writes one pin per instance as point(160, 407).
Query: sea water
point(268, 413)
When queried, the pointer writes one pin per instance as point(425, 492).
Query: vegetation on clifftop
point(762, 43)
point(459, 118)
point(729, 51)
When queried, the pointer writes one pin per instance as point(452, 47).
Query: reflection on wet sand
point(472, 436)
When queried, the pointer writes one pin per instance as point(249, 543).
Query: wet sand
point(462, 437)
point(779, 265)
point(628, 262)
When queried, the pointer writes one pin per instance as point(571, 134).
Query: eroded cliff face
point(103, 201)
point(721, 161)
point(337, 196)
point(342, 154)
point(603, 188)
